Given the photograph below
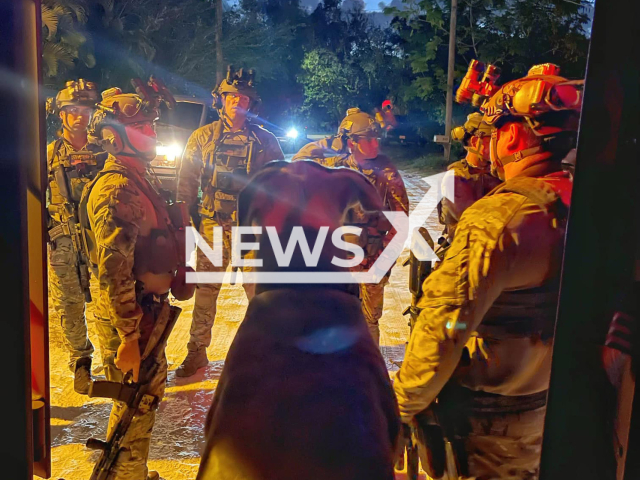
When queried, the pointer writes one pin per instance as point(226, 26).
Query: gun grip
point(114, 390)
point(95, 444)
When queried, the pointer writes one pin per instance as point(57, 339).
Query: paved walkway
point(178, 436)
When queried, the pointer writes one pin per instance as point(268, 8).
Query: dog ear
point(253, 197)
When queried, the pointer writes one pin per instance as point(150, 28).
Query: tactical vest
point(527, 312)
point(69, 174)
point(157, 253)
point(226, 167)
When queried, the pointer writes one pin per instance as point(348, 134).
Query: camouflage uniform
point(200, 146)
point(66, 292)
point(507, 251)
point(121, 215)
point(383, 174)
point(469, 185)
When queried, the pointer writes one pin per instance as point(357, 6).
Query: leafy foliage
point(310, 64)
point(513, 34)
point(64, 41)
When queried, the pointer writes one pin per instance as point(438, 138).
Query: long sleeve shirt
point(503, 242)
point(117, 211)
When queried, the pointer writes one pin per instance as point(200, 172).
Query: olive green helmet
point(473, 127)
point(75, 93)
point(358, 124)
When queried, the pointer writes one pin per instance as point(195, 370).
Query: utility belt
point(441, 430)
point(492, 403)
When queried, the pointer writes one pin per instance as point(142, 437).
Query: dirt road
point(177, 436)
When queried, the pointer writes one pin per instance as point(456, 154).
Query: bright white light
point(170, 152)
point(292, 133)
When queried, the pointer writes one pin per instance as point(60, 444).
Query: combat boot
point(195, 359)
point(82, 376)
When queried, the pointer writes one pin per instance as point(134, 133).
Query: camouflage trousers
point(132, 461)
point(372, 298)
point(505, 446)
point(206, 298)
point(68, 299)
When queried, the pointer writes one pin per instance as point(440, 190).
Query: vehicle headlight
point(292, 133)
point(169, 152)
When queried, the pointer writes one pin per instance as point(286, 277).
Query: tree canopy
point(311, 64)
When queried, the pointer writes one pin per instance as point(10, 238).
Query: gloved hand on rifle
point(128, 358)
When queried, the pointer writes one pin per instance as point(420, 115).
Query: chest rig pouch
point(230, 164)
point(69, 173)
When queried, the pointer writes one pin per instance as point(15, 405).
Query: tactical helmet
point(473, 127)
point(358, 124)
point(117, 108)
point(236, 81)
point(548, 103)
point(544, 99)
point(75, 93)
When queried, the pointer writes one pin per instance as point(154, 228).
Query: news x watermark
point(439, 185)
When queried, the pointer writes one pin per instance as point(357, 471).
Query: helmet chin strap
point(497, 162)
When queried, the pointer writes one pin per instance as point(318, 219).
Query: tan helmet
point(358, 124)
point(544, 99)
point(236, 81)
point(118, 109)
point(548, 103)
point(75, 93)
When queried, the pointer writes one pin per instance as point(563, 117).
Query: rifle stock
point(132, 395)
point(431, 438)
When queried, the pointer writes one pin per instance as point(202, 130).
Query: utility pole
point(452, 60)
point(219, 57)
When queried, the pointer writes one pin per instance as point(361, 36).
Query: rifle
point(132, 394)
point(70, 226)
point(418, 272)
point(431, 440)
